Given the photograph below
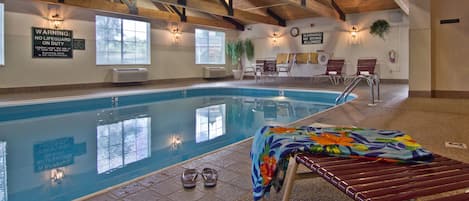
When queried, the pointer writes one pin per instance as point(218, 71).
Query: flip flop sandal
point(189, 178)
point(210, 177)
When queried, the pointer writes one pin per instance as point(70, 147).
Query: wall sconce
point(57, 175)
point(55, 20)
point(176, 34)
point(354, 32)
point(275, 38)
point(175, 141)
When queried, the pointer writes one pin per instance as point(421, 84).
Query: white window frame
point(105, 165)
point(210, 127)
point(197, 56)
point(3, 171)
point(122, 42)
point(2, 34)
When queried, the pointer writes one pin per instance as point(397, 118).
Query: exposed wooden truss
point(316, 7)
point(107, 6)
point(235, 14)
point(404, 4)
point(358, 6)
point(221, 10)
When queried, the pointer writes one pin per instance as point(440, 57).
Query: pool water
point(66, 150)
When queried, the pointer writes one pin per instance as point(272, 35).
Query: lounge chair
point(313, 58)
point(269, 68)
point(366, 66)
point(334, 70)
point(284, 63)
point(259, 68)
point(363, 180)
point(302, 58)
point(249, 70)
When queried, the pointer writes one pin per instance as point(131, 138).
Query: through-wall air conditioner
point(214, 72)
point(128, 75)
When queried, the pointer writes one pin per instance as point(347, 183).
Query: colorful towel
point(272, 147)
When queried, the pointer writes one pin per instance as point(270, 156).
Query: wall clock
point(294, 31)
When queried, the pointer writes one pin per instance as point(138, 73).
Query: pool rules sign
point(52, 43)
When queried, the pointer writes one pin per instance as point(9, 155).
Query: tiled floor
point(429, 121)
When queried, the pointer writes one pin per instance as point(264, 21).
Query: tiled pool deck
point(430, 121)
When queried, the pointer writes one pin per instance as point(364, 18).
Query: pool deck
point(431, 122)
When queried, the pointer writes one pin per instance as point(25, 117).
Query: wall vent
point(128, 75)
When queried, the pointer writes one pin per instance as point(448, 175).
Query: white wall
point(168, 61)
point(337, 42)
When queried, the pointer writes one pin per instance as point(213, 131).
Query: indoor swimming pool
point(66, 149)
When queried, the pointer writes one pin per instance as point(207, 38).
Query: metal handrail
point(372, 80)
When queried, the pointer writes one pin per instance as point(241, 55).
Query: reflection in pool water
point(98, 148)
point(210, 122)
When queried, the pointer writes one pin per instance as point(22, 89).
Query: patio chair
point(285, 62)
point(313, 58)
point(302, 58)
point(249, 70)
point(258, 68)
point(366, 66)
point(364, 180)
point(269, 68)
point(333, 70)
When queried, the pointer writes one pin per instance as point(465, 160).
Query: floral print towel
point(273, 145)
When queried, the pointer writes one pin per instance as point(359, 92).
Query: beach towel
point(273, 145)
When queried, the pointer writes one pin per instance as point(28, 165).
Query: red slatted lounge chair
point(334, 70)
point(366, 66)
point(362, 180)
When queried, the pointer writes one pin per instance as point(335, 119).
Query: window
point(3, 171)
point(122, 143)
point(2, 35)
point(122, 41)
point(210, 122)
point(209, 47)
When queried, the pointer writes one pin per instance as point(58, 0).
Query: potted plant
point(249, 49)
point(379, 28)
point(235, 50)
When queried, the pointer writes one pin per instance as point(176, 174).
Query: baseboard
point(450, 94)
point(426, 94)
point(394, 81)
point(439, 94)
point(87, 86)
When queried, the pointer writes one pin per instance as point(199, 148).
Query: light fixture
point(354, 32)
point(57, 175)
point(55, 20)
point(176, 33)
point(175, 141)
point(275, 39)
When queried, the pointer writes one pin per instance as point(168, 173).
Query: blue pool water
point(98, 143)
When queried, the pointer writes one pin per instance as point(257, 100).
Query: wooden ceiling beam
point(238, 25)
point(119, 8)
point(280, 20)
point(404, 4)
point(228, 6)
point(338, 9)
point(314, 6)
point(182, 14)
point(218, 9)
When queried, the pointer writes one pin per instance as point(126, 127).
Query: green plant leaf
point(379, 28)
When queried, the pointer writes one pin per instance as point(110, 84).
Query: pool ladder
point(114, 101)
point(373, 82)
